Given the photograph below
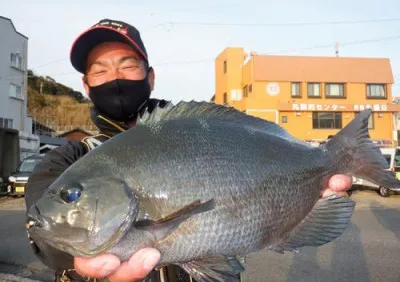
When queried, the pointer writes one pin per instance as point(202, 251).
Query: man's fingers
point(338, 184)
point(329, 192)
point(138, 266)
point(98, 267)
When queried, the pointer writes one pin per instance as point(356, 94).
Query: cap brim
point(94, 36)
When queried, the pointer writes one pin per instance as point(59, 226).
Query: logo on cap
point(115, 25)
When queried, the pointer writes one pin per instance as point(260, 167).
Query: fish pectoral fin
point(163, 227)
point(214, 269)
point(327, 221)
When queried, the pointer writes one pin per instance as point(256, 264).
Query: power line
point(49, 63)
point(64, 59)
point(184, 62)
point(277, 52)
point(291, 50)
point(171, 23)
point(283, 23)
point(29, 76)
point(333, 45)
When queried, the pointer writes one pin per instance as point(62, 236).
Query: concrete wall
point(29, 144)
point(14, 73)
point(13, 43)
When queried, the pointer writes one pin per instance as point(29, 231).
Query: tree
point(77, 96)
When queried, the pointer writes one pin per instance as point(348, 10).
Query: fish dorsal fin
point(209, 111)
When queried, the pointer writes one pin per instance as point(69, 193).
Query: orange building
point(312, 97)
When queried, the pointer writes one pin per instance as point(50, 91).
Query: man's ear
point(85, 85)
point(151, 78)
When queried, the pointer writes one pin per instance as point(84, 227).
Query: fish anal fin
point(327, 221)
point(164, 226)
point(214, 269)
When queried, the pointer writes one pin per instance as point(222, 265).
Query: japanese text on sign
point(318, 107)
point(334, 107)
point(375, 107)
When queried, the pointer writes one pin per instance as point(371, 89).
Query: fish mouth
point(36, 220)
point(39, 225)
point(78, 241)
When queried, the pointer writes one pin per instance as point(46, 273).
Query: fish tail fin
point(355, 153)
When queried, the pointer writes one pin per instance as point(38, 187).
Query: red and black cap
point(104, 30)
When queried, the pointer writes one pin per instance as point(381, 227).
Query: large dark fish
point(206, 185)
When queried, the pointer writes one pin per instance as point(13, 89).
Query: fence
point(59, 128)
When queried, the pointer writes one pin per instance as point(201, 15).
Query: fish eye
point(71, 194)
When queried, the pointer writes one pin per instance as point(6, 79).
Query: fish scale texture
point(262, 185)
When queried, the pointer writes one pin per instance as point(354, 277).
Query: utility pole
point(337, 49)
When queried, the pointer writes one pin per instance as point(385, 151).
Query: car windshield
point(397, 158)
point(28, 165)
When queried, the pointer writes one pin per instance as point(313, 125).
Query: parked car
point(383, 143)
point(17, 180)
point(392, 156)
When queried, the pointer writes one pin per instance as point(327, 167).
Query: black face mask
point(120, 99)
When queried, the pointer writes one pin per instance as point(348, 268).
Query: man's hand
point(338, 184)
point(136, 269)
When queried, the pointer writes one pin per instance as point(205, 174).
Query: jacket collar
point(111, 127)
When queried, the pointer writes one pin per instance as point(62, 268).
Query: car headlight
point(12, 179)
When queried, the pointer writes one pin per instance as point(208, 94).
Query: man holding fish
point(119, 80)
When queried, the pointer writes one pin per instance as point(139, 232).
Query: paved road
point(369, 250)
point(16, 256)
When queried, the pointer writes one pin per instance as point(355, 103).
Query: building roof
point(4, 18)
point(52, 140)
point(322, 69)
point(75, 130)
point(42, 126)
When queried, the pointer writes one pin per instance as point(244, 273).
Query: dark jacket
point(53, 164)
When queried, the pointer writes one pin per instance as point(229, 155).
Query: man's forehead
point(111, 51)
point(112, 46)
point(116, 59)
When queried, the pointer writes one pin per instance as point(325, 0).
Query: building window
point(284, 119)
point(250, 88)
point(6, 123)
point(245, 91)
point(225, 97)
point(327, 120)
point(16, 60)
point(15, 91)
point(314, 90)
point(376, 91)
point(334, 90)
point(296, 89)
point(236, 94)
point(225, 67)
point(370, 120)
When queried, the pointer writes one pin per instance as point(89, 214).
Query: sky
point(183, 38)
